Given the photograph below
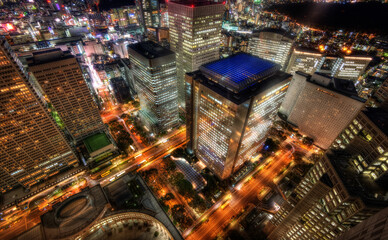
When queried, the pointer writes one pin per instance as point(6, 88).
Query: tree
point(176, 177)
point(270, 145)
point(288, 147)
point(185, 188)
point(124, 115)
point(136, 104)
point(170, 164)
point(168, 197)
point(198, 203)
point(178, 213)
point(211, 187)
point(298, 157)
point(308, 141)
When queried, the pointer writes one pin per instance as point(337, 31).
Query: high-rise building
point(230, 104)
point(126, 73)
point(320, 106)
point(32, 147)
point(93, 48)
point(329, 65)
point(272, 44)
point(148, 13)
point(154, 72)
point(121, 16)
point(120, 47)
point(375, 227)
point(381, 95)
point(351, 67)
point(330, 199)
point(195, 35)
point(305, 60)
point(309, 61)
point(62, 83)
point(366, 138)
point(120, 89)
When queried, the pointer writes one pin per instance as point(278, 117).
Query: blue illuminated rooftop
point(240, 71)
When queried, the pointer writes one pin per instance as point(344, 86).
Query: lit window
point(380, 149)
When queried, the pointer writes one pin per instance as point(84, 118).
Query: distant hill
point(368, 17)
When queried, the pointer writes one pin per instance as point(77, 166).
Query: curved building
point(129, 226)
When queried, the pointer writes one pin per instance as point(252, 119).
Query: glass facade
point(226, 126)
point(304, 61)
point(352, 67)
point(155, 82)
point(149, 13)
point(195, 34)
point(215, 127)
point(264, 111)
point(333, 209)
point(367, 142)
point(271, 46)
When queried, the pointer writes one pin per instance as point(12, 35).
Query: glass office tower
point(154, 72)
point(230, 104)
point(195, 35)
point(272, 44)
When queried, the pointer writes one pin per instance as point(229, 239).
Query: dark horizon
point(367, 17)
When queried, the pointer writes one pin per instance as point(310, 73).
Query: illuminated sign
point(8, 27)
point(229, 27)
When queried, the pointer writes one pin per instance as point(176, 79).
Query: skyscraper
point(310, 60)
point(330, 199)
point(32, 147)
point(149, 13)
point(375, 227)
point(154, 72)
point(195, 35)
point(272, 44)
point(320, 106)
point(305, 60)
point(381, 95)
point(230, 104)
point(351, 67)
point(120, 89)
point(366, 138)
point(62, 83)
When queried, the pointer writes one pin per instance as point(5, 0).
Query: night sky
point(108, 4)
point(366, 17)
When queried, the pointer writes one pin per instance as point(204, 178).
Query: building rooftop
point(341, 86)
point(279, 31)
point(73, 214)
point(46, 56)
point(96, 142)
point(150, 50)
point(239, 71)
point(244, 95)
point(379, 117)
